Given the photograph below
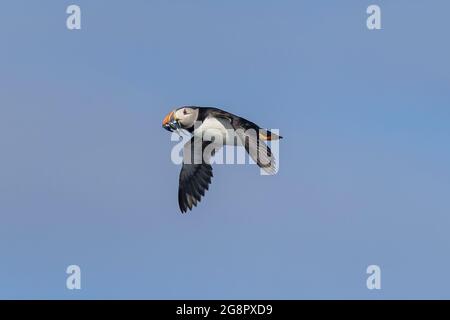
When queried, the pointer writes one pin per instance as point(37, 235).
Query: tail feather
point(267, 135)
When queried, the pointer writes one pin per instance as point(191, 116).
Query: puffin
point(210, 129)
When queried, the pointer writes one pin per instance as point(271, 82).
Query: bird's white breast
point(216, 127)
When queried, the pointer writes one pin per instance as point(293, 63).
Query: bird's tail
point(266, 135)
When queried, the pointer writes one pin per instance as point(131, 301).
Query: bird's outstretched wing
point(252, 137)
point(258, 150)
point(196, 172)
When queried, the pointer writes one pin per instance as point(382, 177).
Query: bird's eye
point(185, 112)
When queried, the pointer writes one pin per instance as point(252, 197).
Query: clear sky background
point(85, 170)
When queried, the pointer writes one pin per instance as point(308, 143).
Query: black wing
point(195, 175)
point(251, 137)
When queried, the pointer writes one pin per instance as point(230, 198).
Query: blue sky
point(85, 170)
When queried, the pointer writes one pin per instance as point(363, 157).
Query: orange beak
point(169, 121)
point(168, 118)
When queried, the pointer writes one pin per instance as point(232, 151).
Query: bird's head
point(181, 118)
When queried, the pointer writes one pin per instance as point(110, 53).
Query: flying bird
point(227, 129)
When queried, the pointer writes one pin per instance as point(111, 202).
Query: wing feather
point(195, 176)
point(258, 150)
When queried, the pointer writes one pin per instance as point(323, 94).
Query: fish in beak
point(170, 122)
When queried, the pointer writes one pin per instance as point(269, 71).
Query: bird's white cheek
point(187, 122)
